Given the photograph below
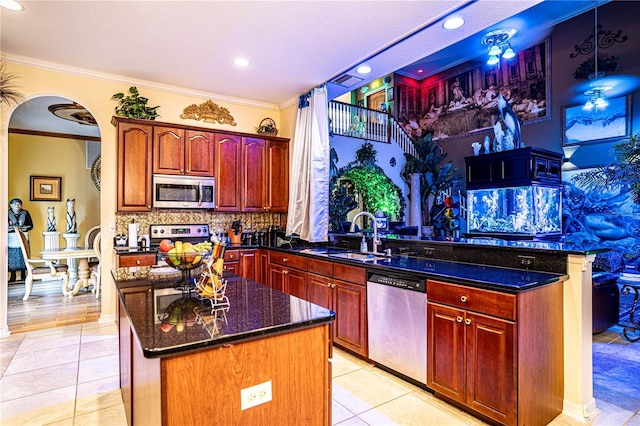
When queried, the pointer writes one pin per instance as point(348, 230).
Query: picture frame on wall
point(390, 94)
point(46, 188)
point(580, 126)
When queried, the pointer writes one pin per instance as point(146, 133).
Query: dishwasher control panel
point(397, 280)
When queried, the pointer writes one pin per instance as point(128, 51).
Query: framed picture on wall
point(46, 188)
point(580, 126)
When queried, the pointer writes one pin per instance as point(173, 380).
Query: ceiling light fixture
point(11, 5)
point(363, 69)
point(595, 96)
point(241, 62)
point(498, 45)
point(453, 23)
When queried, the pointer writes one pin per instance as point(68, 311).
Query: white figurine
point(51, 220)
point(72, 227)
point(510, 119)
point(476, 148)
point(487, 145)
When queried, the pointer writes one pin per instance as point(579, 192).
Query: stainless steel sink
point(363, 257)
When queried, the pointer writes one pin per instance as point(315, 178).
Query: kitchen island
point(264, 359)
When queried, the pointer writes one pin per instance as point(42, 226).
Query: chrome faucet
point(376, 240)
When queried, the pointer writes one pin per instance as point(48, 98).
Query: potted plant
point(435, 176)
point(9, 93)
point(134, 106)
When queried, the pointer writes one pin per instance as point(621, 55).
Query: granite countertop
point(501, 279)
point(254, 311)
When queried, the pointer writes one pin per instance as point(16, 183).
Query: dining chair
point(39, 269)
point(94, 267)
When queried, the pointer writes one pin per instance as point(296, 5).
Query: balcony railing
point(364, 123)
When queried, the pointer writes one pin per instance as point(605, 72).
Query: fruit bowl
point(186, 261)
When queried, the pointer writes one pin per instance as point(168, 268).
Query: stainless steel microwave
point(183, 192)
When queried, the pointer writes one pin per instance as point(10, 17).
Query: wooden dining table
point(78, 272)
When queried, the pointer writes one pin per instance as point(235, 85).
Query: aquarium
point(528, 211)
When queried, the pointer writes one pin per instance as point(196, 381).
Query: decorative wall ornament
point(606, 63)
point(606, 39)
point(209, 112)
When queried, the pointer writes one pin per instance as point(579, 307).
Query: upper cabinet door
point(253, 175)
point(227, 172)
point(168, 151)
point(277, 186)
point(134, 167)
point(199, 153)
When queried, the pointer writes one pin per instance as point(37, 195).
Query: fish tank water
point(527, 211)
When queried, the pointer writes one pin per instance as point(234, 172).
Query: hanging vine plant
point(369, 181)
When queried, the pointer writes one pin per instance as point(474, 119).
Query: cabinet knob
point(285, 272)
point(463, 299)
point(467, 321)
point(285, 259)
point(333, 286)
point(231, 256)
point(329, 285)
point(138, 262)
point(459, 319)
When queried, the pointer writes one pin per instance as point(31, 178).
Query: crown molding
point(51, 66)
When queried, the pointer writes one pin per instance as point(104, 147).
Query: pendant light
point(595, 95)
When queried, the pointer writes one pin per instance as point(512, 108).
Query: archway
point(54, 137)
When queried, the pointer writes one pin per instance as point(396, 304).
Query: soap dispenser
point(363, 245)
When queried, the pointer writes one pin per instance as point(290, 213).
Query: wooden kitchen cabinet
point(128, 260)
point(498, 354)
point(134, 166)
point(346, 296)
point(227, 172)
point(288, 273)
point(178, 151)
point(265, 175)
point(244, 262)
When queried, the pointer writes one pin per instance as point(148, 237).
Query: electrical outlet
point(429, 251)
point(527, 261)
point(255, 395)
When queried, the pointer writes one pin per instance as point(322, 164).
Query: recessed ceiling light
point(420, 71)
point(241, 62)
point(453, 23)
point(363, 69)
point(11, 5)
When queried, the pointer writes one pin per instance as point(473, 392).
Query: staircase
point(369, 124)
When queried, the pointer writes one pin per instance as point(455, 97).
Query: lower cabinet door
point(249, 265)
point(296, 283)
point(319, 290)
point(276, 277)
point(350, 326)
point(446, 351)
point(491, 367)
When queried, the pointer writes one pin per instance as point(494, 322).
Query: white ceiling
point(293, 46)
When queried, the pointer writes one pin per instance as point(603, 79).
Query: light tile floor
point(69, 376)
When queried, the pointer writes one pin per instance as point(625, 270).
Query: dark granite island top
point(254, 311)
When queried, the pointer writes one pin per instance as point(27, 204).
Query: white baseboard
point(582, 413)
point(107, 318)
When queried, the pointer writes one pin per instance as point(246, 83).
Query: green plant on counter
point(134, 106)
point(435, 177)
point(623, 174)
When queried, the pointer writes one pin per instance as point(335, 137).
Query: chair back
point(89, 239)
point(24, 244)
point(96, 245)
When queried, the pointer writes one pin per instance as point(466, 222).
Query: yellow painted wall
point(94, 92)
point(45, 156)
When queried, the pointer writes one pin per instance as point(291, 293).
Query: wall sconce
point(498, 45)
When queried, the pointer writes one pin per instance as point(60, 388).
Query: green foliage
point(9, 93)
point(369, 180)
point(134, 106)
point(435, 177)
point(623, 174)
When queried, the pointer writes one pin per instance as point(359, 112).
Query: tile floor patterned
point(68, 375)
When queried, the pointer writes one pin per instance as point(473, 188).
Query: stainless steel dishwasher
point(397, 323)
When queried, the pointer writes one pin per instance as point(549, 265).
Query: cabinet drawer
point(352, 274)
point(286, 259)
point(232, 255)
point(485, 301)
point(131, 260)
point(321, 267)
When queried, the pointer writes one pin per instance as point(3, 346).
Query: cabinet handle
point(459, 319)
point(285, 272)
point(230, 256)
point(329, 285)
point(333, 286)
point(467, 321)
point(285, 259)
point(138, 262)
point(463, 299)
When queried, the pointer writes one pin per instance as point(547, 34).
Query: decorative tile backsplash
point(217, 221)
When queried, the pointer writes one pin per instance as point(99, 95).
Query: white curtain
point(309, 184)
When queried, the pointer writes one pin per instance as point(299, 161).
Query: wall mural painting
point(464, 100)
point(598, 125)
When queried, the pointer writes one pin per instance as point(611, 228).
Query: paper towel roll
point(133, 235)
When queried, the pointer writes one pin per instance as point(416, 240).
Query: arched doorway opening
point(53, 139)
